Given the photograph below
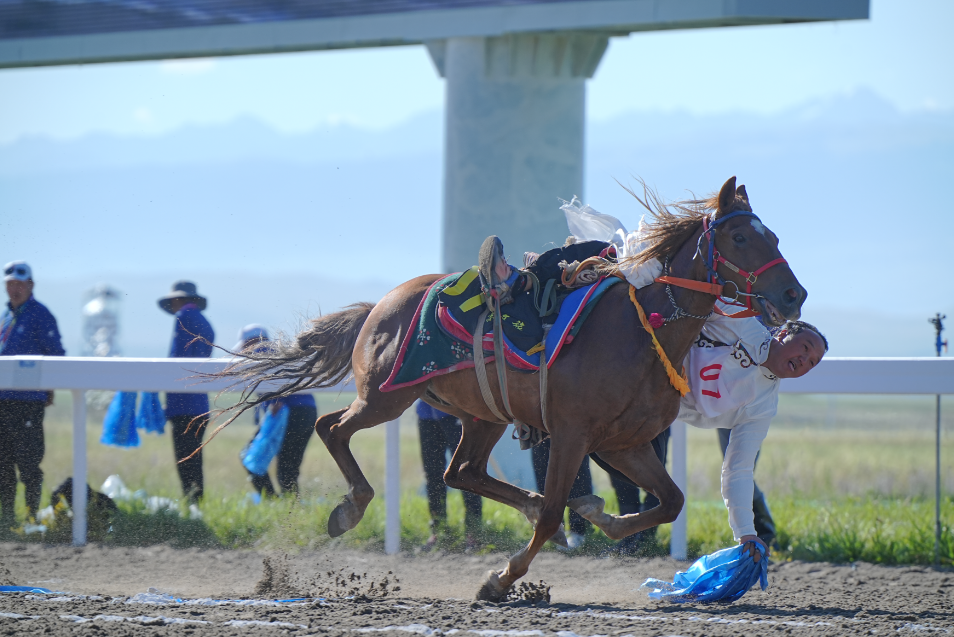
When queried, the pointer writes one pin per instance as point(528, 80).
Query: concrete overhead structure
point(515, 71)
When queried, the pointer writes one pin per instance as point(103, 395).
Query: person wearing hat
point(188, 414)
point(26, 327)
point(302, 414)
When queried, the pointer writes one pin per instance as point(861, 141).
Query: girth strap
point(480, 366)
point(543, 379)
point(500, 359)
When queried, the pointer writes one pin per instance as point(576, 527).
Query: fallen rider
point(734, 373)
point(734, 370)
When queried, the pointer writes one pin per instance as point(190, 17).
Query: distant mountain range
point(854, 122)
point(271, 224)
point(242, 140)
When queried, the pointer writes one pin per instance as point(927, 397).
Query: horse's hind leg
point(467, 471)
point(640, 465)
point(566, 456)
point(335, 430)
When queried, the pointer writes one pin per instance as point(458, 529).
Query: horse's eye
point(739, 239)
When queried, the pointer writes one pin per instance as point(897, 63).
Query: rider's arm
point(738, 481)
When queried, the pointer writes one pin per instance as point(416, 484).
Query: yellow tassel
point(680, 383)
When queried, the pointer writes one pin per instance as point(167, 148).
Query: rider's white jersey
point(730, 390)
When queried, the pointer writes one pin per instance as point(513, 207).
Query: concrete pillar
point(514, 138)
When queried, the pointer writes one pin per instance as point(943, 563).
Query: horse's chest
point(642, 420)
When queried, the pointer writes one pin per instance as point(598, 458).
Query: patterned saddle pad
point(441, 339)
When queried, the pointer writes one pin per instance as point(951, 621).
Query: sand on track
point(589, 596)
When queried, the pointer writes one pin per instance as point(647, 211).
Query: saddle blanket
point(439, 343)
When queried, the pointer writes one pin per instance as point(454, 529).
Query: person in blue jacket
point(302, 414)
point(26, 327)
point(188, 414)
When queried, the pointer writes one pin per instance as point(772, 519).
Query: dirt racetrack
point(108, 594)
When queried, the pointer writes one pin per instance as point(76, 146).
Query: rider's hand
point(749, 542)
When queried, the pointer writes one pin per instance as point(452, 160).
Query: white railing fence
point(833, 376)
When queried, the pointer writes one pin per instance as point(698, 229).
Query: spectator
point(192, 337)
point(582, 485)
point(440, 433)
point(26, 327)
point(302, 414)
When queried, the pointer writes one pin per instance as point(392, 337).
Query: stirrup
point(490, 256)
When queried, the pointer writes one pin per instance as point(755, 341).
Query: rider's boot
point(497, 277)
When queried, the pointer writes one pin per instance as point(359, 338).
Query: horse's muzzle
point(785, 306)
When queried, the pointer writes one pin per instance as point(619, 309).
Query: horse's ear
point(741, 194)
point(726, 198)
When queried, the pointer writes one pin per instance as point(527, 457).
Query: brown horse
point(608, 392)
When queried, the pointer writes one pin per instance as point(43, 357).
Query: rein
point(715, 284)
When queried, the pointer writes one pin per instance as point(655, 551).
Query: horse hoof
point(344, 518)
point(588, 506)
point(492, 590)
point(334, 529)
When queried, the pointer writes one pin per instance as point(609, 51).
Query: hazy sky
point(903, 53)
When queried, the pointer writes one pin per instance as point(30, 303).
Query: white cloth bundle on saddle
point(587, 224)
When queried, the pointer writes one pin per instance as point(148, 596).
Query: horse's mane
point(673, 223)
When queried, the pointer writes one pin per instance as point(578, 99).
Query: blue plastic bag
point(119, 425)
point(150, 417)
point(723, 576)
point(266, 443)
point(25, 589)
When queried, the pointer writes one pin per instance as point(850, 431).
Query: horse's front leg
point(640, 465)
point(566, 456)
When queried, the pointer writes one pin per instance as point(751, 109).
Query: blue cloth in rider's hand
point(723, 576)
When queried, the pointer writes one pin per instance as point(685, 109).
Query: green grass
point(882, 531)
point(885, 531)
point(847, 479)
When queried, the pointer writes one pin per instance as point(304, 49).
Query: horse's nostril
point(792, 293)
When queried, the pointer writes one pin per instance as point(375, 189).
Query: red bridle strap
point(717, 290)
point(750, 278)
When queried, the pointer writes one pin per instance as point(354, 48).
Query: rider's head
point(797, 348)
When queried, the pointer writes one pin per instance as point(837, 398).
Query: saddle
point(455, 328)
point(516, 323)
point(523, 319)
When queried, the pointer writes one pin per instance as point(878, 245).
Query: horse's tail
point(318, 356)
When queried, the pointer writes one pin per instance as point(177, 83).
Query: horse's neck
point(678, 336)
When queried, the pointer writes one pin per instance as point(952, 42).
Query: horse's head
point(743, 252)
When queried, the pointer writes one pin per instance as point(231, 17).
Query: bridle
point(715, 284)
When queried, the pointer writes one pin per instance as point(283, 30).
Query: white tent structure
point(516, 72)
